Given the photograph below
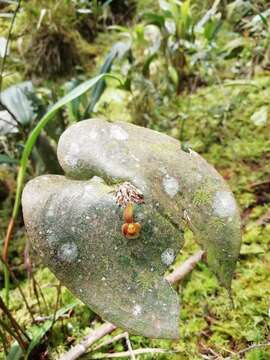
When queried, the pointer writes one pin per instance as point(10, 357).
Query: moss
point(202, 198)
point(217, 223)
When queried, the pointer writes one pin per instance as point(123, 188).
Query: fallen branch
point(75, 352)
point(80, 349)
point(252, 347)
point(135, 352)
point(184, 269)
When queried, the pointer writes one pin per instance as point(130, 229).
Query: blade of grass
point(100, 86)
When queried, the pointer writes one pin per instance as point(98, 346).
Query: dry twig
point(184, 269)
point(135, 352)
point(124, 335)
point(81, 348)
point(7, 43)
point(252, 347)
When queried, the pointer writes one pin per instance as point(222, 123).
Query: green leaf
point(76, 106)
point(15, 352)
point(118, 50)
point(259, 118)
point(252, 249)
point(155, 19)
point(5, 159)
point(16, 99)
point(234, 47)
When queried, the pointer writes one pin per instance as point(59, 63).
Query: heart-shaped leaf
point(78, 224)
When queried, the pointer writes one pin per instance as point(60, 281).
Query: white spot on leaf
point(224, 204)
point(168, 256)
point(118, 133)
point(171, 185)
point(71, 161)
point(137, 310)
point(68, 252)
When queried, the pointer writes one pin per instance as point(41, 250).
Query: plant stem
point(7, 44)
point(13, 322)
point(15, 335)
point(4, 342)
point(19, 287)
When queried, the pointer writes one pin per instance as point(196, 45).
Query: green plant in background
point(57, 35)
point(172, 50)
point(23, 105)
point(188, 43)
point(83, 106)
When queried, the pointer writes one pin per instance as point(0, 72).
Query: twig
point(4, 107)
point(12, 220)
point(58, 291)
point(7, 44)
point(42, 295)
point(14, 334)
point(10, 229)
point(105, 329)
point(4, 342)
point(184, 269)
point(17, 328)
point(260, 183)
point(135, 352)
point(35, 290)
point(19, 288)
point(241, 352)
point(130, 350)
point(124, 335)
point(80, 349)
point(29, 268)
point(109, 341)
point(264, 219)
point(41, 319)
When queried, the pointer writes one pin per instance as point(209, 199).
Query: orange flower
point(130, 229)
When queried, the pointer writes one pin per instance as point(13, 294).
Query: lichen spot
point(171, 185)
point(167, 257)
point(224, 204)
point(71, 161)
point(51, 239)
point(137, 310)
point(118, 133)
point(68, 252)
